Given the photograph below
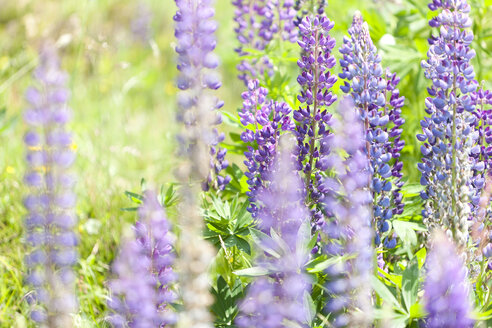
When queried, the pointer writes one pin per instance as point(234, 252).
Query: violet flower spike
point(446, 289)
point(277, 300)
point(481, 152)
point(194, 31)
point(51, 203)
point(258, 23)
point(142, 292)
point(265, 120)
point(370, 89)
point(197, 64)
point(349, 232)
point(312, 116)
point(449, 136)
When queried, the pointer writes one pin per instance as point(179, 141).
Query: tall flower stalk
point(51, 219)
point(312, 116)
point(195, 30)
point(378, 101)
point(349, 232)
point(448, 132)
point(446, 289)
point(277, 300)
point(142, 291)
point(265, 120)
point(259, 22)
point(481, 154)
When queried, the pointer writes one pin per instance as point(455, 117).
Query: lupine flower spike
point(312, 116)
point(265, 120)
point(197, 62)
point(277, 300)
point(379, 103)
point(481, 153)
point(448, 133)
point(196, 41)
point(51, 219)
point(142, 292)
point(349, 232)
point(258, 23)
point(446, 289)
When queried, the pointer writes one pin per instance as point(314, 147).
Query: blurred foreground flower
point(51, 219)
point(446, 289)
point(142, 293)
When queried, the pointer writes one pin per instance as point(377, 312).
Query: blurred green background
point(123, 96)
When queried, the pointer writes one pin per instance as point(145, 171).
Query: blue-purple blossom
point(379, 103)
point(349, 231)
point(308, 8)
point(446, 289)
point(197, 64)
point(448, 132)
point(312, 117)
point(276, 300)
point(265, 120)
point(142, 291)
point(258, 23)
point(481, 153)
point(51, 202)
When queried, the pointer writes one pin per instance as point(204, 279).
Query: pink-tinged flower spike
point(142, 291)
point(196, 42)
point(276, 300)
point(446, 289)
point(349, 232)
point(313, 116)
point(197, 63)
point(379, 103)
point(448, 132)
point(258, 23)
point(51, 203)
point(264, 121)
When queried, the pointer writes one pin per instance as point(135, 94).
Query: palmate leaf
point(225, 307)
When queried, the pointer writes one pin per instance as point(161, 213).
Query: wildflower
point(370, 88)
point(312, 116)
point(277, 300)
point(264, 120)
point(142, 293)
point(446, 289)
point(349, 232)
point(51, 219)
point(448, 132)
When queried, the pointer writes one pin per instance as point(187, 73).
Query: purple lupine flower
point(370, 89)
point(141, 23)
point(448, 132)
point(265, 120)
point(197, 62)
point(446, 289)
point(305, 8)
point(312, 116)
point(51, 219)
point(141, 293)
point(195, 30)
point(349, 232)
point(481, 153)
point(277, 300)
point(258, 23)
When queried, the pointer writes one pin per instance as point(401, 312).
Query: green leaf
point(383, 292)
point(252, 272)
point(406, 230)
point(421, 255)
point(309, 305)
point(226, 299)
point(410, 283)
